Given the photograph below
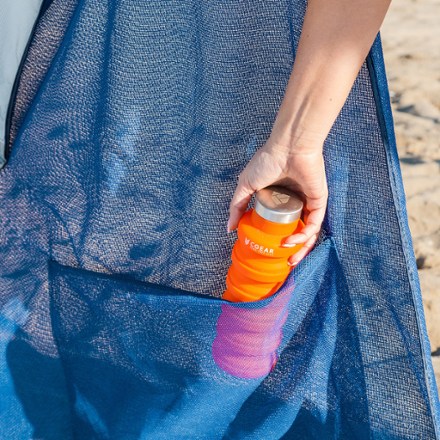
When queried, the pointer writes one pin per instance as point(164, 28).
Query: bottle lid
point(278, 204)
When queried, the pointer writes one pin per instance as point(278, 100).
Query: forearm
point(335, 40)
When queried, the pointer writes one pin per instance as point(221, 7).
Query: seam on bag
point(13, 95)
point(8, 148)
point(70, 397)
point(395, 182)
point(172, 292)
point(121, 278)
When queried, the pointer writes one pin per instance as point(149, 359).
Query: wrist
point(295, 138)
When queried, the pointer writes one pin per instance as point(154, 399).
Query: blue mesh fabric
point(131, 123)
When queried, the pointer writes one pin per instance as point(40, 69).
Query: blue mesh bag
point(129, 124)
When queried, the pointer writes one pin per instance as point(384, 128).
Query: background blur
point(411, 40)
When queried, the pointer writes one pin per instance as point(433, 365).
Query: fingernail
point(292, 264)
point(288, 245)
point(293, 241)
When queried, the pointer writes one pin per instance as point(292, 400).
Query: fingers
point(240, 200)
point(308, 235)
point(308, 246)
point(313, 226)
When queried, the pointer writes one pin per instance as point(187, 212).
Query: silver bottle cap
point(278, 204)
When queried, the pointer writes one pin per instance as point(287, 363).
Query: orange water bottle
point(259, 263)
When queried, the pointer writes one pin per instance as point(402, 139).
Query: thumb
point(240, 200)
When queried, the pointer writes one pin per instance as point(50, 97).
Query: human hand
point(297, 169)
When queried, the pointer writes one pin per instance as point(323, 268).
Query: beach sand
point(411, 42)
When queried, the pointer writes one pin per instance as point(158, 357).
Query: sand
point(411, 42)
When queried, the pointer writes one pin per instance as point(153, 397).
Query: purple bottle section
point(247, 340)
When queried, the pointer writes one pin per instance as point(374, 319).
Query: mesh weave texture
point(131, 124)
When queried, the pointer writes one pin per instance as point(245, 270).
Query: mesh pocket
point(147, 350)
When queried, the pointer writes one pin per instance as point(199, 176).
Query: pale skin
point(335, 40)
